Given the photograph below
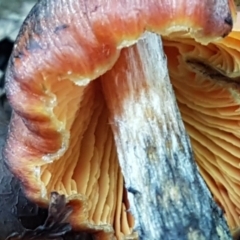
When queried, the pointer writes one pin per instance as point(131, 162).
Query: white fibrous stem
point(165, 190)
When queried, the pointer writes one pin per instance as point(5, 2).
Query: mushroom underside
point(89, 170)
point(205, 81)
point(63, 140)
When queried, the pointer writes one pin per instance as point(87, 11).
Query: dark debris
point(55, 226)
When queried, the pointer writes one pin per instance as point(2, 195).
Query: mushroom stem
point(167, 195)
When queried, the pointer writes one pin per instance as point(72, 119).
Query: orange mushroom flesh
point(60, 138)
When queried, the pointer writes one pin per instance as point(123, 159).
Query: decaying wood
point(168, 197)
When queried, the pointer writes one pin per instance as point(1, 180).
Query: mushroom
point(59, 137)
